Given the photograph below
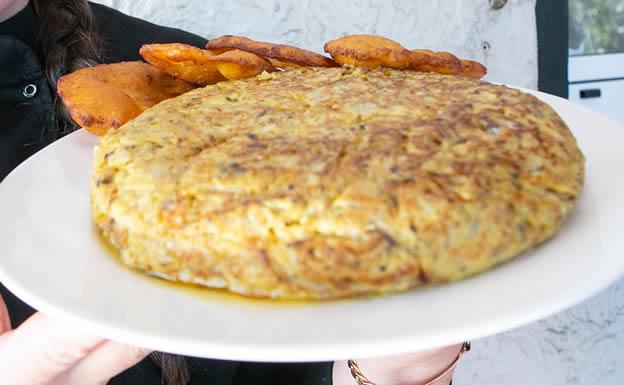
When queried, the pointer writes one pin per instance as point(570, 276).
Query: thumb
point(5, 321)
point(48, 347)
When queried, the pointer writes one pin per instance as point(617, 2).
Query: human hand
point(406, 369)
point(46, 352)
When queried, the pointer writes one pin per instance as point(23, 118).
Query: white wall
point(581, 346)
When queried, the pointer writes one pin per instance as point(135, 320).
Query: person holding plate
point(40, 41)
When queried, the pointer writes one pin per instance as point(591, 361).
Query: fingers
point(5, 321)
point(107, 361)
point(50, 347)
point(59, 354)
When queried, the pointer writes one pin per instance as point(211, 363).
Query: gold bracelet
point(362, 380)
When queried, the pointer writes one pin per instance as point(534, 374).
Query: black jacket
point(25, 127)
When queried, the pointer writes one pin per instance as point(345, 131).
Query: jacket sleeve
point(124, 35)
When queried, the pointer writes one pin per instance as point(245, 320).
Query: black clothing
point(26, 126)
point(25, 119)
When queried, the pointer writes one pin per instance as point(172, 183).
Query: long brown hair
point(69, 41)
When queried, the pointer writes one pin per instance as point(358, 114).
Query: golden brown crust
point(373, 51)
point(282, 53)
point(440, 62)
point(328, 183)
point(109, 95)
point(369, 51)
point(237, 64)
point(473, 69)
point(203, 67)
point(182, 61)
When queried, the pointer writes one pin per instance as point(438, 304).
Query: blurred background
point(596, 48)
point(569, 48)
point(596, 27)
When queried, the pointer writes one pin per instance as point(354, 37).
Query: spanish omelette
point(323, 183)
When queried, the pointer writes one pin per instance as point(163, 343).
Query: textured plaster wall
point(583, 345)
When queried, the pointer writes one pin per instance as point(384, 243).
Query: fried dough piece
point(368, 51)
point(238, 64)
point(439, 62)
point(376, 51)
point(183, 61)
point(281, 55)
point(109, 95)
point(202, 66)
point(473, 69)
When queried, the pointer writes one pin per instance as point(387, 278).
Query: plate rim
point(242, 352)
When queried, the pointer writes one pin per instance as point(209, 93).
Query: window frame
point(552, 46)
point(586, 68)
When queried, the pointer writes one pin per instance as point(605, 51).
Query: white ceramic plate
point(52, 259)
